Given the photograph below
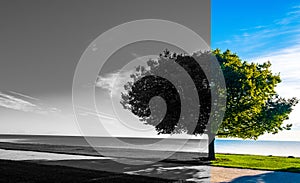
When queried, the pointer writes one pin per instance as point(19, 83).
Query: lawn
point(273, 163)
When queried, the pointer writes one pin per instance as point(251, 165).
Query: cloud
point(107, 81)
point(290, 17)
point(114, 82)
point(23, 95)
point(285, 62)
point(14, 100)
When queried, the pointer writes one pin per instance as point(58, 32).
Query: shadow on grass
point(272, 177)
point(291, 169)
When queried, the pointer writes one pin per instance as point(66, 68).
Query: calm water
point(276, 148)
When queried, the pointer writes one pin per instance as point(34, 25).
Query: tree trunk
point(211, 147)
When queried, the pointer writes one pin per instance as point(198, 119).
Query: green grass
point(273, 163)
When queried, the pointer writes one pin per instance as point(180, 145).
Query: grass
point(273, 163)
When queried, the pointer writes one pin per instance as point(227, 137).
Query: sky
point(41, 43)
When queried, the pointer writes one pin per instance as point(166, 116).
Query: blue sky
point(255, 28)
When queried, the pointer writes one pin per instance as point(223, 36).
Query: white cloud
point(290, 17)
point(13, 100)
point(23, 95)
point(114, 82)
point(286, 62)
point(107, 81)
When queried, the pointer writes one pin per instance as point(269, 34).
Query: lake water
point(275, 148)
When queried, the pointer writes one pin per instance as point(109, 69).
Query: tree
point(252, 108)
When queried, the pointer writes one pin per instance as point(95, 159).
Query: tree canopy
point(252, 108)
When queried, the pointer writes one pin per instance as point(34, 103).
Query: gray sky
point(42, 41)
